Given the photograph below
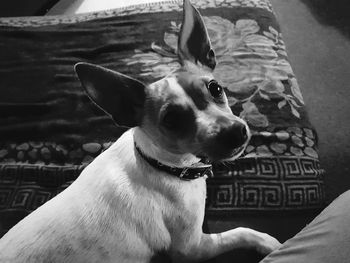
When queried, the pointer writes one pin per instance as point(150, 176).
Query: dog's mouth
point(236, 153)
point(204, 159)
point(209, 158)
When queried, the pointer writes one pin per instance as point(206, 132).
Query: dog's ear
point(118, 95)
point(194, 43)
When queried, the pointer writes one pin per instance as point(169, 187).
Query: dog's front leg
point(212, 245)
point(216, 244)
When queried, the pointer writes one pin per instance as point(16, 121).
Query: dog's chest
point(185, 205)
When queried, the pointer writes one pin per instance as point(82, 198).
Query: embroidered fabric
point(50, 130)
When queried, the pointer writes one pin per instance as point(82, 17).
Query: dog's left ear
point(194, 43)
point(118, 95)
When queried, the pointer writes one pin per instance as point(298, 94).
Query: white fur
point(154, 151)
point(118, 202)
point(120, 209)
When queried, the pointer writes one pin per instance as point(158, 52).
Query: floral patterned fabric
point(250, 63)
point(49, 130)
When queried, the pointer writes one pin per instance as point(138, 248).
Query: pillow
point(49, 129)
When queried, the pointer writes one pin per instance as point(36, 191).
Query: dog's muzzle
point(233, 137)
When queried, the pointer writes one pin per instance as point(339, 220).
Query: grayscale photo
point(158, 131)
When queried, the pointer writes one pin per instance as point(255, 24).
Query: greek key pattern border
point(276, 183)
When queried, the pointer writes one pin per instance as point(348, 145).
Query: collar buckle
point(183, 173)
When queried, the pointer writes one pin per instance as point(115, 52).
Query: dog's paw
point(266, 244)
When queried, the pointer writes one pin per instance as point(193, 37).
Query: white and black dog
point(146, 193)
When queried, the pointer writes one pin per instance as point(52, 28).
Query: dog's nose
point(234, 136)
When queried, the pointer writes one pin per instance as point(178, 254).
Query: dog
point(144, 196)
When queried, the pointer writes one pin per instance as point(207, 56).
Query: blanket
point(50, 130)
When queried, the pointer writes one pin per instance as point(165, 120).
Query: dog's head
point(185, 112)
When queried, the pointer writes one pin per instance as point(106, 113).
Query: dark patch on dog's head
point(161, 257)
point(194, 88)
point(179, 120)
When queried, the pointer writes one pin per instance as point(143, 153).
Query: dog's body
point(122, 208)
point(138, 213)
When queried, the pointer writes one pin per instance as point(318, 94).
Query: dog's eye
point(215, 89)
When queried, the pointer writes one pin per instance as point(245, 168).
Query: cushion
point(50, 130)
point(325, 239)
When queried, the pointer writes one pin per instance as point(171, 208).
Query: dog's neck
point(150, 149)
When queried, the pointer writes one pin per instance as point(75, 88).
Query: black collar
point(185, 173)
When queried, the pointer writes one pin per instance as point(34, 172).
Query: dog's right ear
point(120, 96)
point(194, 42)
